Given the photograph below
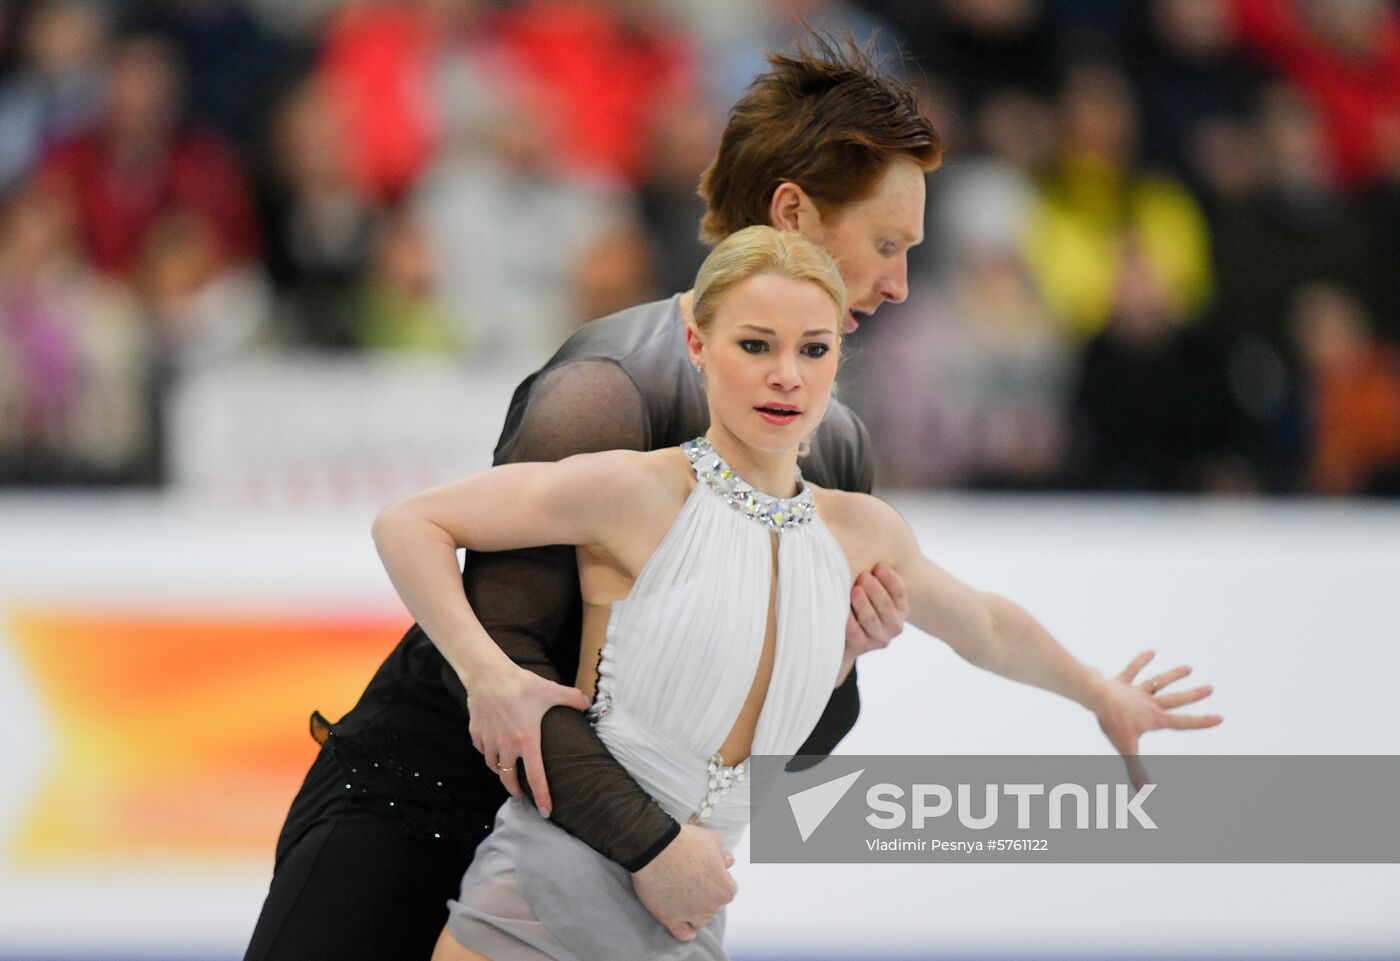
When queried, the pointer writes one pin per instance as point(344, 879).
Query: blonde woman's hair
point(763, 250)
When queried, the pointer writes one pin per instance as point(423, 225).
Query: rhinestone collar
point(775, 513)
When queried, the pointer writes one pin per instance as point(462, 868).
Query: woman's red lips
point(780, 414)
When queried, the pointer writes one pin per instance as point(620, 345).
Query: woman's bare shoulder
point(669, 470)
point(869, 529)
point(852, 509)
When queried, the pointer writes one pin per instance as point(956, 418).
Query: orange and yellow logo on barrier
point(180, 735)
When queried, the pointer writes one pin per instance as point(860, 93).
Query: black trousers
point(348, 885)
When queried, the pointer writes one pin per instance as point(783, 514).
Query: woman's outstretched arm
point(999, 635)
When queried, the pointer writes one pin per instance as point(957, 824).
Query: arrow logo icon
point(810, 807)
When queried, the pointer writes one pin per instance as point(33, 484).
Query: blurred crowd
point(1163, 253)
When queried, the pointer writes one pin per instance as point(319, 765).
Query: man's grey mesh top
point(623, 382)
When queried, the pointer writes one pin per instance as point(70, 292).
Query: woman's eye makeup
point(806, 350)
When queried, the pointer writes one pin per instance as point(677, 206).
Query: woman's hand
point(1127, 710)
point(506, 708)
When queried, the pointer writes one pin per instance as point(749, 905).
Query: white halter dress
point(678, 663)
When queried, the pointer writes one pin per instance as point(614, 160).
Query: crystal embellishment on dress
point(602, 704)
point(720, 777)
point(775, 513)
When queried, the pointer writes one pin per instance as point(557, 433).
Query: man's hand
point(506, 710)
point(688, 882)
point(879, 608)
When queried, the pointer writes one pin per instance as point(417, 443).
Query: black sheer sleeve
point(856, 473)
point(837, 720)
point(529, 602)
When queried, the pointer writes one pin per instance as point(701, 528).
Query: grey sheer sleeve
point(529, 602)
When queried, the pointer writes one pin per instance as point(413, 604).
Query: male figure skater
point(384, 826)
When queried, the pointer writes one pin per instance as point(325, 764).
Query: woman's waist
point(686, 782)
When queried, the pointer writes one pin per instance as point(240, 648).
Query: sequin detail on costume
point(774, 513)
point(721, 777)
point(385, 771)
point(602, 702)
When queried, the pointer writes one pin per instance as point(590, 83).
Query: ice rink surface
point(1288, 609)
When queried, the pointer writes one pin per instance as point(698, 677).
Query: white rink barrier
point(158, 659)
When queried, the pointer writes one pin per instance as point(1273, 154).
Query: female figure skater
point(716, 588)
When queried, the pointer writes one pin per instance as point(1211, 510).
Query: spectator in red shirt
point(1346, 58)
point(609, 67)
point(394, 70)
point(142, 163)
